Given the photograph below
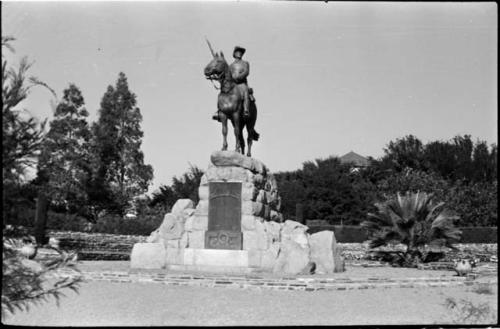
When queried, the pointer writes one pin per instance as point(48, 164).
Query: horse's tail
point(254, 135)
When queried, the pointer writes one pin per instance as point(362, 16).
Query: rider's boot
point(246, 103)
point(216, 116)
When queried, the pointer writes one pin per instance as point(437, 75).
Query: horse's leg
point(249, 140)
point(251, 133)
point(223, 119)
point(237, 130)
point(242, 139)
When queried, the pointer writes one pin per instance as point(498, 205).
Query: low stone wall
point(97, 246)
point(100, 246)
point(350, 233)
point(485, 252)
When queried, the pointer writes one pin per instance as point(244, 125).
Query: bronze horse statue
point(230, 105)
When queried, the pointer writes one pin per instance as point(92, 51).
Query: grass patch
point(483, 290)
point(466, 312)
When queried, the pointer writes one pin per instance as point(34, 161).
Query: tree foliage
point(118, 162)
point(64, 160)
point(183, 187)
point(22, 134)
point(327, 189)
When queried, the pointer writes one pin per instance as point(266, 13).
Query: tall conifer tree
point(120, 172)
point(64, 162)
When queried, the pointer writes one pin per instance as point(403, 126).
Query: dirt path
point(145, 304)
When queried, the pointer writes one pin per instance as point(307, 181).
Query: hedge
point(352, 234)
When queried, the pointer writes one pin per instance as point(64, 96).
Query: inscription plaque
point(224, 216)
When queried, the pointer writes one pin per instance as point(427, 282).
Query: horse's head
point(217, 67)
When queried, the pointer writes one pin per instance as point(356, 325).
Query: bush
point(414, 220)
point(144, 224)
point(66, 222)
point(24, 281)
point(479, 235)
point(475, 203)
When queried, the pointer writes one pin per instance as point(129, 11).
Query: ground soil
point(146, 304)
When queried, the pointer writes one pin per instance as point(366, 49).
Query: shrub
point(464, 311)
point(415, 221)
point(145, 223)
point(24, 282)
point(65, 222)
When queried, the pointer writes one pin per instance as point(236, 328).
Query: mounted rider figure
point(240, 70)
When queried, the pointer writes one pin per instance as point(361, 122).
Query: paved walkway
point(104, 303)
point(355, 277)
point(115, 295)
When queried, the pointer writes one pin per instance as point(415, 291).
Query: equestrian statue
point(235, 101)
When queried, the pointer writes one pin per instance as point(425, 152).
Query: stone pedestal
point(237, 194)
point(236, 226)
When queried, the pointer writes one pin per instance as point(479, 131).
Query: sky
point(328, 78)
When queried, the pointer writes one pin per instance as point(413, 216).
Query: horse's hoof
point(249, 155)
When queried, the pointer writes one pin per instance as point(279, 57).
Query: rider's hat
point(239, 49)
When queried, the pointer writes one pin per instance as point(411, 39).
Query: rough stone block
point(171, 228)
point(196, 239)
point(203, 192)
point(204, 180)
point(271, 184)
point(273, 230)
point(295, 231)
point(233, 174)
point(292, 258)
point(261, 197)
point(259, 181)
point(154, 236)
point(252, 208)
point(269, 256)
point(184, 241)
point(202, 208)
point(248, 193)
point(175, 256)
point(148, 256)
point(188, 225)
point(186, 213)
point(171, 244)
point(325, 253)
point(266, 212)
point(231, 158)
point(248, 223)
point(276, 216)
point(256, 240)
point(200, 223)
point(181, 205)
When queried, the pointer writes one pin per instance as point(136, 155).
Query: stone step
point(282, 283)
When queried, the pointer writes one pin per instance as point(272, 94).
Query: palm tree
point(414, 220)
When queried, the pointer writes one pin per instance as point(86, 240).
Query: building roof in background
point(354, 158)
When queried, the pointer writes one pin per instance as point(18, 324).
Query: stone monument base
point(236, 227)
point(190, 259)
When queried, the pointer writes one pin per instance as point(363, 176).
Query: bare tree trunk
point(41, 218)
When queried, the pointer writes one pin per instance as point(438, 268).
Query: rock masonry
point(270, 243)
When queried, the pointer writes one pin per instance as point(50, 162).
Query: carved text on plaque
point(224, 216)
